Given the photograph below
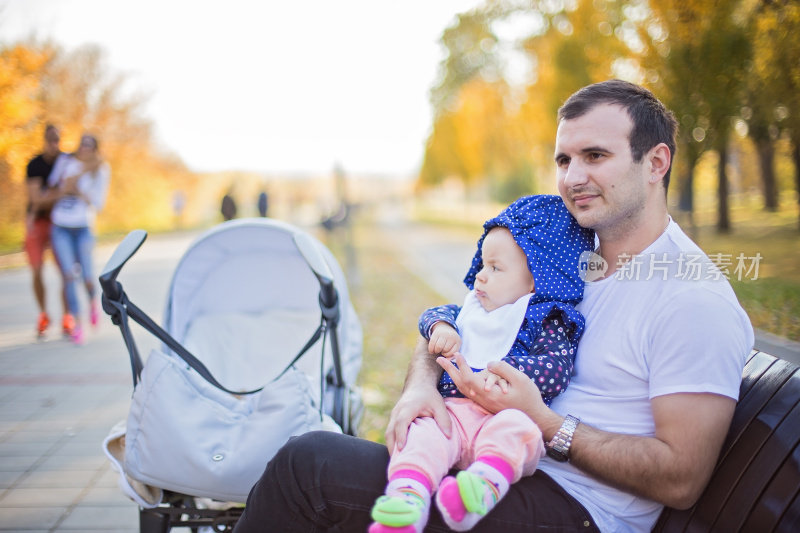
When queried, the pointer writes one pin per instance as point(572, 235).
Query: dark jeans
point(323, 481)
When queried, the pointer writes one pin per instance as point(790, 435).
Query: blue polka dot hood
point(553, 243)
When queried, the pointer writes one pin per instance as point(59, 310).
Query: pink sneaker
point(77, 335)
point(94, 316)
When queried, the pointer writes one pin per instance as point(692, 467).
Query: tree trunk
point(723, 216)
point(765, 149)
point(686, 186)
point(766, 158)
point(686, 196)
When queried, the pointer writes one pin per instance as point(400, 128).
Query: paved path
point(58, 401)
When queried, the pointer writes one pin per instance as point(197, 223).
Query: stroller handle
point(308, 249)
point(108, 279)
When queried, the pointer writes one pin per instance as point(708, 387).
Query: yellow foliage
point(42, 84)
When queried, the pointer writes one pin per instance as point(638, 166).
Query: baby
point(524, 283)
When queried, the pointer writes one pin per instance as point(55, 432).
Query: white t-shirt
point(74, 211)
point(667, 322)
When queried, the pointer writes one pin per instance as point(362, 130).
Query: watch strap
point(558, 448)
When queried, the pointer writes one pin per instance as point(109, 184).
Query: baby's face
point(505, 276)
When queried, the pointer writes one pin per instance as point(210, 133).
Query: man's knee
point(303, 454)
point(326, 455)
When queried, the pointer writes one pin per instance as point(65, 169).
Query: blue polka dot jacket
point(547, 340)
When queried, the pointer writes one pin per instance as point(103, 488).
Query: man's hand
point(445, 340)
point(420, 398)
point(521, 392)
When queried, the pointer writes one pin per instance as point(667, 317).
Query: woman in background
point(82, 180)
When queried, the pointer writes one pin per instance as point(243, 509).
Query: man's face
point(51, 143)
point(601, 185)
point(505, 277)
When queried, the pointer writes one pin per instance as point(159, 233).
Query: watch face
point(558, 455)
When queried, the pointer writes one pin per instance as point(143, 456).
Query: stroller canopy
point(244, 300)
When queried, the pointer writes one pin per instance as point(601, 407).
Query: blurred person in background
point(263, 203)
point(81, 179)
point(37, 223)
point(228, 208)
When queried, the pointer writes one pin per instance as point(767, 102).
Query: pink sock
point(499, 464)
point(412, 474)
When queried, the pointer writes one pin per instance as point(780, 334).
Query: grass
point(772, 304)
point(388, 300)
point(770, 295)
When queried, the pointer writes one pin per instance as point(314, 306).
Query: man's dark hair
point(652, 122)
point(50, 130)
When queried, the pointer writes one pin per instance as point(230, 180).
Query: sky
point(265, 85)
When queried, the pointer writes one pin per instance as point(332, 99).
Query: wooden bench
point(756, 484)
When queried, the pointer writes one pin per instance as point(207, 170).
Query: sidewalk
point(58, 402)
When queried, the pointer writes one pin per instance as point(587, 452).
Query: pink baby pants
point(508, 434)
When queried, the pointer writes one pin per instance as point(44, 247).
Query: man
point(656, 374)
point(37, 224)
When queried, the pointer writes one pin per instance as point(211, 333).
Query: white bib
point(489, 336)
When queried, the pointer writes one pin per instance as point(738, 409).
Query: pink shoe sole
point(77, 336)
point(380, 528)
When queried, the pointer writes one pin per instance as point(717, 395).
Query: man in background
point(37, 224)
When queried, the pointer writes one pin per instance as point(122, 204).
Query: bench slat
point(762, 467)
point(784, 487)
point(790, 521)
point(757, 364)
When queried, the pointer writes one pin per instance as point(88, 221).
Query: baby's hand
point(493, 380)
point(70, 184)
point(445, 340)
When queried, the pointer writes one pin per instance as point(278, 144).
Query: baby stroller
point(260, 342)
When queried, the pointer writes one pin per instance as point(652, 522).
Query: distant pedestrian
point(37, 223)
point(228, 207)
point(82, 181)
point(263, 203)
point(178, 203)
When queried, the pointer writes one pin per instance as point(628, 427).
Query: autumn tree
point(485, 128)
point(699, 54)
point(21, 131)
point(775, 94)
point(577, 44)
point(76, 90)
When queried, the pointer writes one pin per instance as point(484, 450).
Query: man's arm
point(672, 467)
point(40, 199)
point(420, 398)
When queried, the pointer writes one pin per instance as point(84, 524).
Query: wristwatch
point(558, 448)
